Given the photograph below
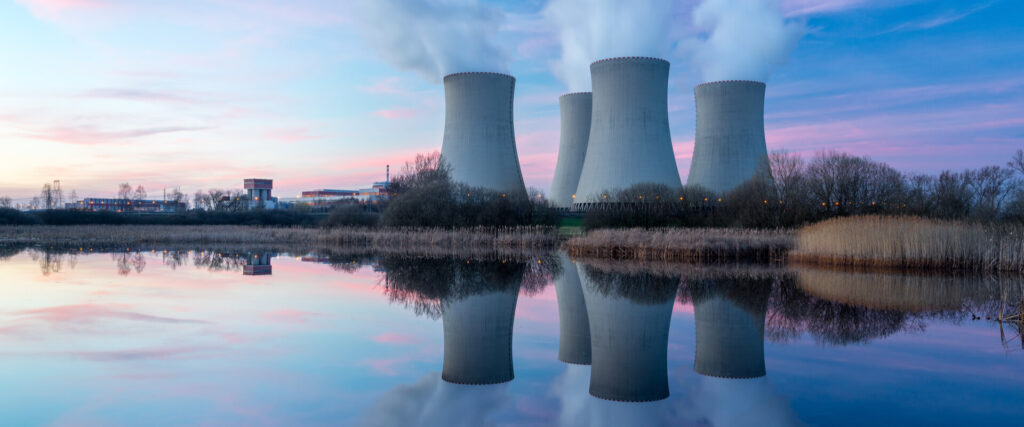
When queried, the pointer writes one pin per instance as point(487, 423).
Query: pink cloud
point(289, 316)
point(388, 86)
point(395, 338)
point(397, 113)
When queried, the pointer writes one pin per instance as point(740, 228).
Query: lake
point(149, 336)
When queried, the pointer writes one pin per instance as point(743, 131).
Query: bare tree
point(5, 202)
point(46, 197)
point(124, 191)
point(1017, 162)
point(787, 173)
point(989, 186)
point(176, 196)
point(140, 193)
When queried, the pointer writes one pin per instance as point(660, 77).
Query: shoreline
point(875, 243)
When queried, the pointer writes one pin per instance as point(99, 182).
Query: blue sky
point(201, 94)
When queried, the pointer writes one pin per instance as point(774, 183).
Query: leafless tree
point(140, 193)
point(124, 191)
point(176, 196)
point(5, 202)
point(989, 187)
point(1017, 162)
point(46, 197)
point(787, 175)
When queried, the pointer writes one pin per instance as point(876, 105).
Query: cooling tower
point(479, 140)
point(478, 337)
point(572, 146)
point(629, 136)
point(573, 325)
point(729, 146)
point(730, 339)
point(629, 344)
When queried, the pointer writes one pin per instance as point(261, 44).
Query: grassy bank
point(914, 243)
point(683, 244)
point(393, 240)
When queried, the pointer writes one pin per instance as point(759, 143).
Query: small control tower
point(259, 189)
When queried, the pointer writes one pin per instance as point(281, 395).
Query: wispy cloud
point(88, 313)
point(941, 19)
point(140, 95)
point(90, 135)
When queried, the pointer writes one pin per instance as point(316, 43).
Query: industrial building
point(572, 146)
point(94, 204)
point(479, 139)
point(259, 191)
point(629, 140)
point(730, 146)
point(326, 197)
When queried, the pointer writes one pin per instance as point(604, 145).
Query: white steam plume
point(433, 37)
point(590, 30)
point(745, 39)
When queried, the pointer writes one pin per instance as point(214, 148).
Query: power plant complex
point(479, 139)
point(729, 147)
point(630, 141)
point(572, 146)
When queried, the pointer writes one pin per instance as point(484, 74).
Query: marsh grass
point(911, 243)
point(410, 241)
point(683, 244)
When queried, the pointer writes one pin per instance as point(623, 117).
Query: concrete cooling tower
point(572, 146)
point(573, 325)
point(478, 337)
point(629, 135)
point(730, 339)
point(479, 140)
point(729, 146)
point(629, 344)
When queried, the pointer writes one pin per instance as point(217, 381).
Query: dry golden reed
point(683, 244)
point(911, 242)
point(390, 239)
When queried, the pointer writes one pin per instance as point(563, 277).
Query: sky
point(325, 94)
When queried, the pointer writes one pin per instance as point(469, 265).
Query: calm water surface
point(260, 338)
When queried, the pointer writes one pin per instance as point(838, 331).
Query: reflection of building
point(628, 336)
point(126, 205)
point(734, 389)
point(574, 328)
point(257, 265)
point(730, 338)
point(478, 337)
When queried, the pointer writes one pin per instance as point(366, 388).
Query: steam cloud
point(745, 40)
point(590, 30)
point(434, 402)
point(433, 37)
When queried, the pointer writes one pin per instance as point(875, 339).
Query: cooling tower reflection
point(629, 318)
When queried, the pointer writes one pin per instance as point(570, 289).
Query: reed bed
point(392, 240)
point(683, 244)
point(911, 243)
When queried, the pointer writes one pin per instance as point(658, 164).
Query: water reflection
point(629, 318)
point(633, 345)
